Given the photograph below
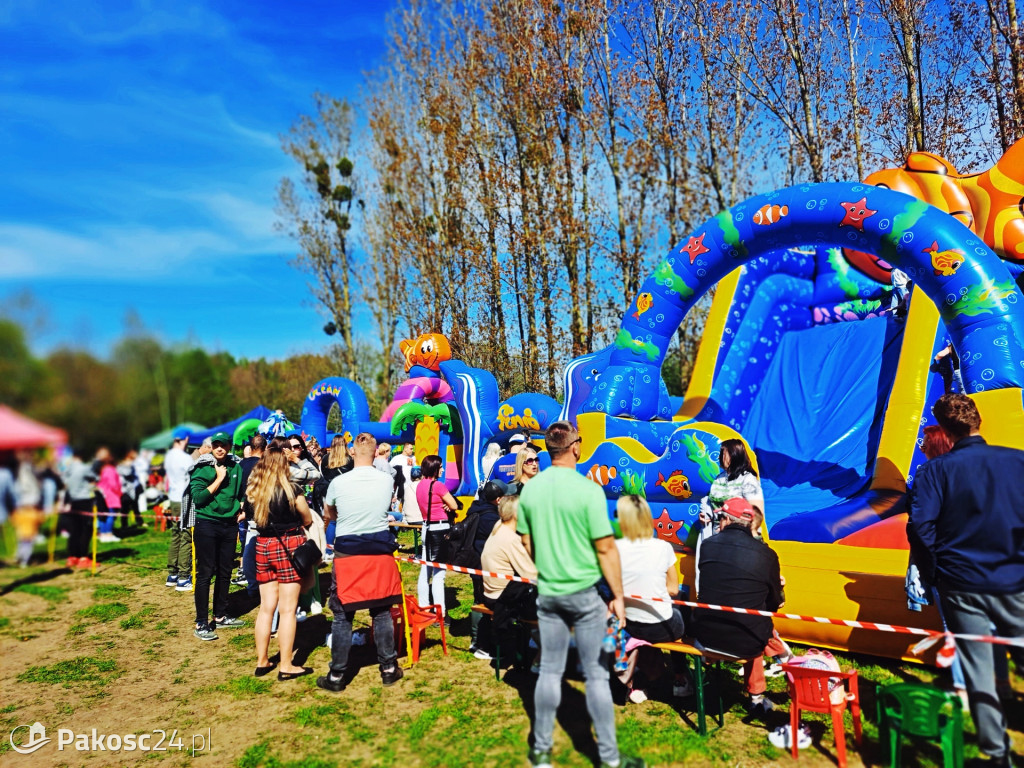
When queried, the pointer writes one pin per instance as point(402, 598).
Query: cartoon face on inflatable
point(428, 350)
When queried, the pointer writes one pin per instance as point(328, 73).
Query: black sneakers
point(392, 677)
point(328, 684)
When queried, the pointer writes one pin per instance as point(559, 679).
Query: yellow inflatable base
point(839, 582)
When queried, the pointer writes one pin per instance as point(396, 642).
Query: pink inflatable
point(434, 391)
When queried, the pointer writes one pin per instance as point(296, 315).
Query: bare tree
point(317, 213)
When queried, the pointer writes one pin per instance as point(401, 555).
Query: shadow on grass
point(572, 714)
point(36, 578)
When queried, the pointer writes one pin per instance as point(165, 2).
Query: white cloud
point(112, 253)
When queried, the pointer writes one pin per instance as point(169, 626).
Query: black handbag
point(306, 557)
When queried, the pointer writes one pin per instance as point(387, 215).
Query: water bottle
point(608, 643)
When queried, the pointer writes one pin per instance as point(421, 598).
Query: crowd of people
point(289, 506)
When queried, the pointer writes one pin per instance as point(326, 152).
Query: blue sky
point(139, 160)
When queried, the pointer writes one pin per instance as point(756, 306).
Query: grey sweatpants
point(971, 613)
point(587, 614)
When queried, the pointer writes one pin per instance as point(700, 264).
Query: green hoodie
point(223, 505)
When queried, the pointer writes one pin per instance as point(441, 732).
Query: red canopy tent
point(17, 431)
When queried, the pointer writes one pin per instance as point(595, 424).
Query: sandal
point(293, 675)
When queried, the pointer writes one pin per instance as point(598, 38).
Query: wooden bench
point(701, 657)
point(523, 639)
point(416, 528)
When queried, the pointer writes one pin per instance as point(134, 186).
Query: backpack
point(815, 659)
point(461, 538)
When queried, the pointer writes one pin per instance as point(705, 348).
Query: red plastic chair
point(421, 617)
point(809, 691)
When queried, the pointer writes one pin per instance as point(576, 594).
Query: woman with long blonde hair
point(527, 467)
point(281, 515)
point(334, 462)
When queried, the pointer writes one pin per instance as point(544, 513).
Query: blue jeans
point(587, 614)
point(107, 522)
point(249, 564)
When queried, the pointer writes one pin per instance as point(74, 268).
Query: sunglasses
point(530, 461)
point(296, 446)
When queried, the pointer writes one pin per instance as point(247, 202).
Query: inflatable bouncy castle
point(444, 407)
point(811, 354)
point(804, 358)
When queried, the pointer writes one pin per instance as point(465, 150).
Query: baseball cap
point(739, 509)
point(493, 490)
point(221, 437)
point(180, 434)
point(516, 439)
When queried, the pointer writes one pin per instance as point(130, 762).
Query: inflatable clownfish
point(428, 350)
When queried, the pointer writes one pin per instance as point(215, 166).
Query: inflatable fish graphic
point(945, 262)
point(643, 303)
point(770, 214)
point(677, 484)
point(602, 474)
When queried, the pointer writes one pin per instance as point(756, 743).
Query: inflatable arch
point(978, 300)
point(346, 393)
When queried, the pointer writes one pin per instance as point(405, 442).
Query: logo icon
point(36, 739)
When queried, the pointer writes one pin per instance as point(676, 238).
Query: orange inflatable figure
point(428, 350)
point(990, 203)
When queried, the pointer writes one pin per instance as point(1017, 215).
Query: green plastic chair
point(910, 709)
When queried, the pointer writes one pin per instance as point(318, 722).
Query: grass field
point(115, 652)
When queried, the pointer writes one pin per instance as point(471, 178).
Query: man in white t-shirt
point(177, 464)
point(405, 461)
point(364, 572)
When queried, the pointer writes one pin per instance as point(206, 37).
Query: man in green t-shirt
point(216, 488)
point(563, 519)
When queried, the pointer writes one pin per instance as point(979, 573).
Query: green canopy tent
point(161, 441)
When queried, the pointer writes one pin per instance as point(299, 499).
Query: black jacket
point(737, 570)
point(488, 512)
point(966, 526)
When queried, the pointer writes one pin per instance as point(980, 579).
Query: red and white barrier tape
point(930, 634)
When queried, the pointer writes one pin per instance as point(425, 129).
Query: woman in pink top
point(435, 504)
point(109, 485)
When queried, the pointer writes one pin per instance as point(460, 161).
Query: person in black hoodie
point(486, 508)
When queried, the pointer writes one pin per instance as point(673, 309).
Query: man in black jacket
point(966, 532)
point(739, 571)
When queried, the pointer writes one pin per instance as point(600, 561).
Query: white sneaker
point(316, 609)
point(300, 615)
point(481, 654)
point(683, 689)
point(781, 738)
point(637, 696)
point(775, 670)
